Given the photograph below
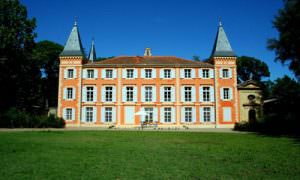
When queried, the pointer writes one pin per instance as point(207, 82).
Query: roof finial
point(147, 52)
point(220, 21)
point(75, 21)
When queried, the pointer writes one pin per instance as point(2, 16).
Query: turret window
point(70, 73)
point(225, 73)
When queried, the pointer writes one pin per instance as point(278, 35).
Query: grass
point(146, 155)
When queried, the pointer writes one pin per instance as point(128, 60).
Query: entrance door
point(252, 115)
point(129, 115)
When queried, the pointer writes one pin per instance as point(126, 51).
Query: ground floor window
point(188, 114)
point(108, 114)
point(149, 114)
point(167, 114)
point(68, 114)
point(89, 114)
point(206, 114)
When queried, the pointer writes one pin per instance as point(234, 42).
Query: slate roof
point(148, 61)
point(222, 47)
point(92, 54)
point(73, 45)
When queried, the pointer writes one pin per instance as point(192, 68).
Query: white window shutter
point(172, 73)
point(173, 116)
point(142, 117)
point(182, 114)
point(143, 94)
point(143, 73)
point(194, 114)
point(84, 74)
point(65, 73)
point(64, 113)
point(103, 93)
point(212, 114)
point(155, 117)
point(230, 72)
point(65, 93)
point(95, 94)
point(83, 114)
point(201, 114)
point(230, 93)
point(114, 94)
point(153, 73)
point(134, 94)
point(162, 115)
point(222, 93)
point(124, 93)
point(227, 114)
point(75, 73)
point(211, 73)
point(173, 95)
point(161, 94)
point(73, 114)
point(181, 73)
point(154, 93)
point(135, 73)
point(220, 73)
point(182, 94)
point(193, 94)
point(124, 71)
point(161, 73)
point(114, 73)
point(201, 94)
point(74, 93)
point(94, 114)
point(96, 73)
point(212, 93)
point(103, 114)
point(114, 113)
point(103, 73)
point(193, 73)
point(200, 73)
point(84, 94)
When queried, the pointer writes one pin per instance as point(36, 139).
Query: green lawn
point(146, 155)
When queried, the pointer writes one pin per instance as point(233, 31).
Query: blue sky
point(182, 28)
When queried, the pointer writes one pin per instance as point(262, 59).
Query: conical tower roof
point(73, 46)
point(222, 47)
point(92, 54)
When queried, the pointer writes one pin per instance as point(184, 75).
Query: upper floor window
point(187, 73)
point(225, 73)
point(167, 73)
point(148, 94)
point(148, 73)
point(108, 114)
point(188, 94)
point(206, 94)
point(108, 73)
point(108, 93)
point(129, 73)
point(205, 73)
point(129, 94)
point(70, 73)
point(69, 93)
point(90, 73)
point(206, 114)
point(89, 93)
point(167, 94)
point(188, 117)
point(226, 93)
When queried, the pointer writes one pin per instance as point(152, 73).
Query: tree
point(46, 54)
point(19, 74)
point(251, 68)
point(196, 58)
point(287, 45)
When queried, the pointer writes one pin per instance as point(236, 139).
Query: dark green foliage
point(287, 45)
point(104, 58)
point(196, 58)
point(15, 118)
point(251, 68)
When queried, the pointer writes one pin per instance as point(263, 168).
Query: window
point(167, 73)
point(108, 114)
point(167, 114)
point(149, 114)
point(89, 114)
point(225, 73)
point(188, 94)
point(70, 73)
point(90, 73)
point(108, 73)
point(226, 94)
point(68, 114)
point(148, 94)
point(167, 94)
point(129, 73)
point(69, 93)
point(148, 73)
point(188, 114)
point(205, 73)
point(187, 73)
point(89, 94)
point(206, 94)
point(206, 114)
point(108, 93)
point(129, 94)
